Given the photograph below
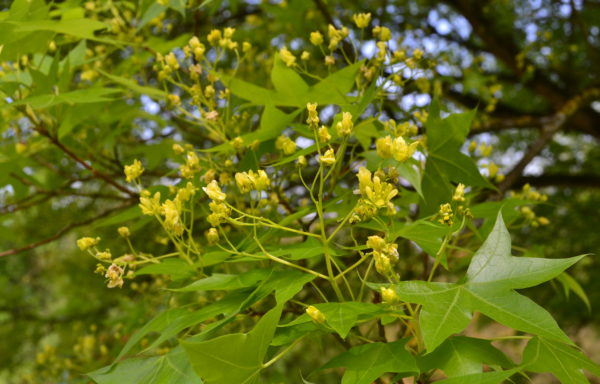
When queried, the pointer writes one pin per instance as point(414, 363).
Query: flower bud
point(316, 315)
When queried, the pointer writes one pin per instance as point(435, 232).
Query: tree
point(295, 172)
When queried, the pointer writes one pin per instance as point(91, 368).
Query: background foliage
point(82, 98)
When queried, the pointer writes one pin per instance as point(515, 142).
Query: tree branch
point(62, 232)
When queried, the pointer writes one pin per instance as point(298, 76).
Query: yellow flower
point(417, 54)
point(361, 20)
point(133, 171)
point(171, 61)
point(383, 33)
point(305, 56)
point(228, 32)
point(214, 191)
point(445, 214)
point(316, 315)
point(123, 231)
point(301, 162)
point(376, 192)
point(459, 193)
point(492, 169)
point(316, 38)
point(402, 151)
point(86, 243)
point(285, 145)
point(376, 243)
point(328, 158)
point(324, 135)
point(329, 60)
point(114, 274)
point(388, 295)
point(173, 99)
point(383, 146)
point(214, 37)
point(287, 57)
point(171, 211)
point(220, 213)
point(244, 182)
point(212, 236)
point(344, 127)
point(313, 115)
point(260, 179)
point(178, 149)
point(149, 206)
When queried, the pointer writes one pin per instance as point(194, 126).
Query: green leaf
point(170, 368)
point(134, 86)
point(516, 311)
point(493, 263)
point(176, 268)
point(570, 284)
point(234, 358)
point(342, 317)
point(365, 363)
point(446, 309)
point(82, 28)
point(563, 361)
point(288, 83)
point(331, 90)
point(424, 233)
point(220, 281)
point(89, 95)
point(459, 356)
point(491, 278)
point(446, 163)
point(480, 378)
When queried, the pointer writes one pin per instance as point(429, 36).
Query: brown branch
point(548, 131)
point(561, 180)
point(79, 160)
point(62, 232)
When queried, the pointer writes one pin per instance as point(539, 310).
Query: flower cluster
point(385, 254)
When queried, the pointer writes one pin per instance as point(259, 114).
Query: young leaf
point(491, 278)
point(234, 358)
point(365, 363)
point(170, 368)
point(459, 356)
point(563, 361)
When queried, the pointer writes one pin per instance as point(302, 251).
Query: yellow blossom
point(459, 193)
point(305, 56)
point(383, 146)
point(287, 57)
point(86, 243)
point(171, 61)
point(445, 214)
point(417, 54)
point(344, 127)
point(149, 206)
point(114, 274)
point(361, 20)
point(324, 135)
point(214, 37)
point(492, 169)
point(402, 151)
point(328, 158)
point(382, 33)
point(133, 171)
point(123, 231)
point(212, 236)
point(285, 145)
point(389, 295)
point(316, 315)
point(316, 38)
point(214, 191)
point(329, 60)
point(244, 182)
point(178, 149)
point(220, 213)
point(313, 115)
